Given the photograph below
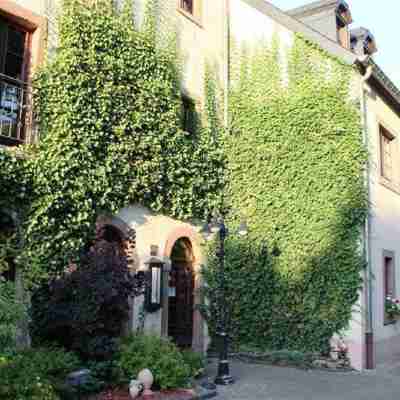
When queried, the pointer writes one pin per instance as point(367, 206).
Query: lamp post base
point(224, 380)
point(223, 375)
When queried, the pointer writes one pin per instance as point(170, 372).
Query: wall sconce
point(154, 284)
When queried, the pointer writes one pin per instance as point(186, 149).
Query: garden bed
point(294, 359)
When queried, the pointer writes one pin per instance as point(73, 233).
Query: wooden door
point(181, 299)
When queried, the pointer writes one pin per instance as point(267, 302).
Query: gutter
point(369, 333)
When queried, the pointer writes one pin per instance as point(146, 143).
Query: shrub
point(85, 310)
point(35, 374)
point(159, 355)
point(195, 361)
point(103, 374)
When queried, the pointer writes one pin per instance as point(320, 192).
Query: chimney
point(362, 42)
point(329, 17)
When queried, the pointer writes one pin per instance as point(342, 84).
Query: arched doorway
point(181, 294)
point(123, 240)
point(114, 236)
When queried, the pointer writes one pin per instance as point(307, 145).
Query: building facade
point(28, 35)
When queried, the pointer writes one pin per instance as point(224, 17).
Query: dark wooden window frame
point(385, 134)
point(389, 280)
point(21, 84)
point(27, 46)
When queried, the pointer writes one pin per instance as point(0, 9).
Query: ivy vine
point(109, 112)
point(295, 163)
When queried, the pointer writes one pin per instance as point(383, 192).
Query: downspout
point(227, 57)
point(369, 333)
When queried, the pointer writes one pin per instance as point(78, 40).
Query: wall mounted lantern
point(154, 282)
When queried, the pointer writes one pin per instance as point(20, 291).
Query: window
point(188, 115)
point(13, 71)
point(389, 287)
point(387, 151)
point(13, 45)
point(388, 274)
point(187, 5)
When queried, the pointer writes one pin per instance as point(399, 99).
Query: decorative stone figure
point(135, 387)
point(146, 378)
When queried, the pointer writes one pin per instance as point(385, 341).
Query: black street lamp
point(217, 225)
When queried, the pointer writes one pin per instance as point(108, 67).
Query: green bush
point(103, 374)
point(195, 361)
point(161, 356)
point(35, 374)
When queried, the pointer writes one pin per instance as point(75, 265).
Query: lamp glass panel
point(155, 285)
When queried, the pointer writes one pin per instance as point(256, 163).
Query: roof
point(321, 4)
point(385, 85)
point(361, 32)
point(294, 25)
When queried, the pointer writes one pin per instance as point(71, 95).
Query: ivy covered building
point(311, 161)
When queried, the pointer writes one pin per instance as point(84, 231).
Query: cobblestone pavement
point(261, 382)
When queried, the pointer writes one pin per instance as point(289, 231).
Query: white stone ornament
point(135, 387)
point(146, 378)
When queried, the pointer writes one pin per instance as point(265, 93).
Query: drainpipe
point(226, 62)
point(369, 334)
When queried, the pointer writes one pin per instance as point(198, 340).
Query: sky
point(382, 18)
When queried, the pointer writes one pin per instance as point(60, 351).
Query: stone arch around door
point(116, 227)
point(190, 237)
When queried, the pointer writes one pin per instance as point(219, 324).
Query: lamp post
point(218, 226)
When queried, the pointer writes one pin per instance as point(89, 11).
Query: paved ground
point(260, 382)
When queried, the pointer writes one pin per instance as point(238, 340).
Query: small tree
point(86, 308)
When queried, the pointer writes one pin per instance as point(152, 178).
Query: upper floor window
point(387, 142)
point(14, 56)
point(13, 50)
